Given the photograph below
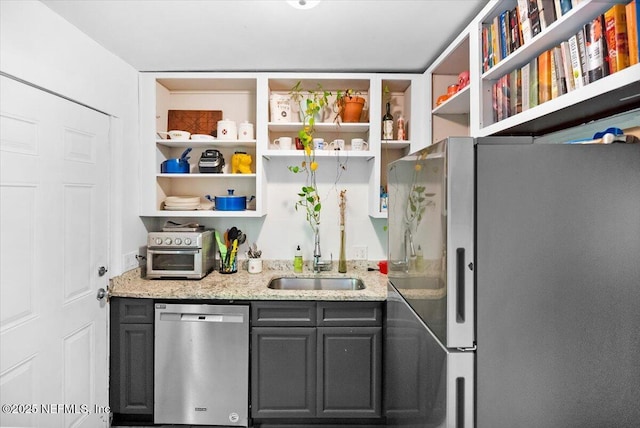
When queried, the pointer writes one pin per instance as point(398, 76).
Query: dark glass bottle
point(387, 124)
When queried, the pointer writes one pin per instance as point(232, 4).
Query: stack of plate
point(181, 203)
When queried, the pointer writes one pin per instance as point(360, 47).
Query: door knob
point(102, 293)
point(102, 270)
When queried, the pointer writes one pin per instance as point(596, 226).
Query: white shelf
point(459, 103)
point(363, 154)
point(617, 92)
point(205, 143)
point(205, 213)
point(395, 144)
point(196, 175)
point(320, 127)
point(381, 215)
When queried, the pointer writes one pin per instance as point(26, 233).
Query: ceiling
point(271, 35)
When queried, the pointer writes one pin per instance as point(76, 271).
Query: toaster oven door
point(174, 263)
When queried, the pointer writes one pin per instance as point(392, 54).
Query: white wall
point(40, 47)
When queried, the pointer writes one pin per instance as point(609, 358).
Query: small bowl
point(179, 135)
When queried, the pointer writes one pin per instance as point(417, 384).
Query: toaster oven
point(180, 254)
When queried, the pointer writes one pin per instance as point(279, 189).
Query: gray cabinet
point(349, 367)
point(316, 360)
point(131, 359)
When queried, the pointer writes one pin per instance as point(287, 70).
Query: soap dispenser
point(297, 261)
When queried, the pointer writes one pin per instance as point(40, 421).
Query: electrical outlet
point(360, 252)
point(129, 261)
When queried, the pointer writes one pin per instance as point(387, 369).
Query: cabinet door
point(136, 369)
point(283, 372)
point(349, 372)
point(131, 357)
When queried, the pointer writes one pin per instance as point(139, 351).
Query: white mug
point(284, 143)
point(318, 143)
point(254, 265)
point(359, 144)
point(336, 144)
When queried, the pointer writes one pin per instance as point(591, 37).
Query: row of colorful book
point(602, 47)
point(516, 27)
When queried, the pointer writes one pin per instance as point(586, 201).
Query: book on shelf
point(576, 62)
point(631, 11)
point(514, 29)
point(566, 62)
point(534, 17)
point(533, 82)
point(495, 40)
point(561, 79)
point(554, 75)
point(498, 100)
point(544, 77)
point(524, 79)
point(615, 24)
point(505, 34)
point(563, 7)
point(596, 48)
point(546, 12)
point(523, 16)
point(515, 92)
point(506, 96)
point(494, 101)
point(582, 50)
point(485, 48)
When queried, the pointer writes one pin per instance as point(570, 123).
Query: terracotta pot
point(351, 109)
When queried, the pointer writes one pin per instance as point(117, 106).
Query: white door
point(54, 218)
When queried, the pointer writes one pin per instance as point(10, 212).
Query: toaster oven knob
point(178, 241)
point(187, 241)
point(158, 241)
point(167, 241)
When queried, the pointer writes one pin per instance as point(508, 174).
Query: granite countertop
point(245, 286)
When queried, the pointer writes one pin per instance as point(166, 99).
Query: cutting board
point(195, 121)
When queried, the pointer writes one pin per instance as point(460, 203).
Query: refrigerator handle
point(460, 390)
point(460, 286)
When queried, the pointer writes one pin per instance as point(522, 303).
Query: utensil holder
point(229, 264)
point(254, 265)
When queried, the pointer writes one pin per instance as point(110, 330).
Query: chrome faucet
point(319, 265)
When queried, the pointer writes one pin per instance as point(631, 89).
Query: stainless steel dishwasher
point(201, 370)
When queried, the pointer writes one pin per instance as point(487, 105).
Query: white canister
point(280, 106)
point(245, 131)
point(254, 265)
point(227, 130)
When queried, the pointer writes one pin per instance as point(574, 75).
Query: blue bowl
point(175, 166)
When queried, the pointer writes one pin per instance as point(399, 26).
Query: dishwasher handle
point(191, 317)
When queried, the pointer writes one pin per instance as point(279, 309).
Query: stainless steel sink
point(321, 283)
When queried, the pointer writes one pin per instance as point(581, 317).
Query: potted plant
point(350, 105)
point(312, 103)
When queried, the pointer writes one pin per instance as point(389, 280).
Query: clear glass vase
point(342, 263)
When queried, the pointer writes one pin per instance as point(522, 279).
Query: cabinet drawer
point(289, 314)
point(133, 311)
point(349, 313)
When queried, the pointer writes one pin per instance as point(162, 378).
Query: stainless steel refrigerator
point(514, 296)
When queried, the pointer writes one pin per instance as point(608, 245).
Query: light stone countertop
point(245, 286)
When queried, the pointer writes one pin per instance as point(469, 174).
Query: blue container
point(231, 202)
point(175, 166)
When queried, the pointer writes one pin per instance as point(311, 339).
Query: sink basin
point(322, 283)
